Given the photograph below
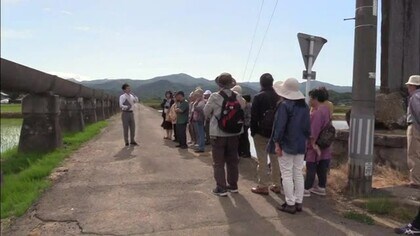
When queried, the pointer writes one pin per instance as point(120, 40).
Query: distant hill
point(155, 88)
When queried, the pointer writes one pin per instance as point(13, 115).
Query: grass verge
point(12, 108)
point(25, 174)
point(153, 103)
point(359, 217)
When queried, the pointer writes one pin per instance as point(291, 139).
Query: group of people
point(281, 125)
point(187, 116)
point(287, 132)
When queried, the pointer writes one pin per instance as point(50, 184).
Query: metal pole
point(362, 120)
point(310, 64)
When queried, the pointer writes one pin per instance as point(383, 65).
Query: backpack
point(326, 137)
point(266, 124)
point(232, 116)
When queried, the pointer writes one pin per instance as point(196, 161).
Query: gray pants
point(128, 123)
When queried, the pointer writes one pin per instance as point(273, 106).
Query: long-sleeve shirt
point(213, 110)
point(320, 118)
point(291, 128)
point(247, 112)
point(262, 102)
point(413, 111)
point(182, 117)
point(127, 101)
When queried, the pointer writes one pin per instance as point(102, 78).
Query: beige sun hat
point(277, 86)
point(290, 90)
point(414, 80)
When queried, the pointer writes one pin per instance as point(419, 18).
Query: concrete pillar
point(107, 113)
point(71, 116)
point(117, 105)
point(100, 109)
point(41, 130)
point(89, 111)
point(400, 37)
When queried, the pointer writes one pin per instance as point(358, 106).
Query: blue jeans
point(201, 135)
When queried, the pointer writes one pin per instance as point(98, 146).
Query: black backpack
point(326, 137)
point(232, 116)
point(266, 124)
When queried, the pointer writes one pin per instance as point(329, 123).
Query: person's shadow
point(243, 219)
point(125, 154)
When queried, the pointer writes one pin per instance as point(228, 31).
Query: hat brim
point(228, 86)
point(288, 94)
point(414, 84)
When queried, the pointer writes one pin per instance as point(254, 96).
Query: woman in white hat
point(291, 131)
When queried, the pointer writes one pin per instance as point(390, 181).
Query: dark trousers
point(416, 221)
point(175, 133)
point(225, 152)
point(181, 131)
point(207, 130)
point(316, 168)
point(244, 146)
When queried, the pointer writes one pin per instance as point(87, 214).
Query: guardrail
point(53, 105)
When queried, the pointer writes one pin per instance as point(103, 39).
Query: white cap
point(207, 92)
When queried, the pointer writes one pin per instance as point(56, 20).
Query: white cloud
point(47, 9)
point(68, 75)
point(66, 12)
point(16, 34)
point(82, 28)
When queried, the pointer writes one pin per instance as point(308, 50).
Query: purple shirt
point(320, 118)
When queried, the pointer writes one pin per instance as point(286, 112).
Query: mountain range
point(155, 88)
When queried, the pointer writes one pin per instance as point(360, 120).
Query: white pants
point(291, 167)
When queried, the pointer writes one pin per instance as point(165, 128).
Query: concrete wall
point(390, 149)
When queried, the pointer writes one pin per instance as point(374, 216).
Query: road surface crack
point(78, 225)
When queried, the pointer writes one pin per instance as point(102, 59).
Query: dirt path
point(156, 189)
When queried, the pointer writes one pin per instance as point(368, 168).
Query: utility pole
point(362, 119)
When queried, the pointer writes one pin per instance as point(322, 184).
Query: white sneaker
point(307, 193)
point(319, 191)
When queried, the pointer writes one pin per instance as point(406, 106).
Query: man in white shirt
point(127, 101)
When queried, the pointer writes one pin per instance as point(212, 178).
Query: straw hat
point(289, 89)
point(414, 80)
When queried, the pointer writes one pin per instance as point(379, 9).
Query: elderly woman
point(317, 160)
point(198, 119)
point(166, 105)
point(291, 130)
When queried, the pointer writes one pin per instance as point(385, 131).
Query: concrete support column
point(100, 109)
point(71, 116)
point(106, 108)
point(89, 111)
point(117, 105)
point(41, 130)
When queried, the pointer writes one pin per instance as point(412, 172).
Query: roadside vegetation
point(25, 175)
point(378, 205)
point(11, 108)
point(153, 103)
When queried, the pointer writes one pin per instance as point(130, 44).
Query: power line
point(262, 43)
point(252, 41)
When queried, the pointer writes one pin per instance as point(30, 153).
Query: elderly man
point(413, 130)
point(225, 140)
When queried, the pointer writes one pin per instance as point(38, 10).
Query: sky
point(142, 39)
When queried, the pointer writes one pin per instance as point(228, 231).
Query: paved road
point(156, 189)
